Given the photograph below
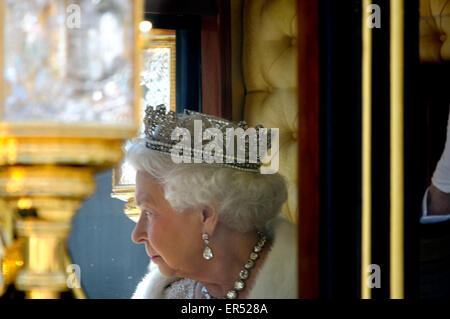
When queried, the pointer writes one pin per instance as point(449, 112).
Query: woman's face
point(172, 239)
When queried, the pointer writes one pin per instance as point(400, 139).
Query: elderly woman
point(211, 230)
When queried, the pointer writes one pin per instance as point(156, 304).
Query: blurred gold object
point(397, 80)
point(43, 198)
point(366, 154)
point(12, 262)
point(47, 162)
point(43, 274)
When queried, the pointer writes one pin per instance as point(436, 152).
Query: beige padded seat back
point(269, 64)
point(434, 30)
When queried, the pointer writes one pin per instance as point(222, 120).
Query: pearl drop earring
point(207, 253)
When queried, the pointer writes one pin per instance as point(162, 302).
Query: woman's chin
point(166, 271)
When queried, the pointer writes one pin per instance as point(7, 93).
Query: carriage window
point(170, 76)
point(159, 63)
point(158, 81)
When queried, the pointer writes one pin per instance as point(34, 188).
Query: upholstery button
point(294, 135)
point(293, 42)
point(443, 37)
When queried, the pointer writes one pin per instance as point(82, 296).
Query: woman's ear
point(210, 219)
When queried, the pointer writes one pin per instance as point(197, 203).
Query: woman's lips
point(153, 257)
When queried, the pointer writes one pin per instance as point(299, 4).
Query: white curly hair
point(245, 200)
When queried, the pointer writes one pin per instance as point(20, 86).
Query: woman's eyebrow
point(144, 201)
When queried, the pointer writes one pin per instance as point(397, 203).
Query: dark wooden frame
point(308, 141)
point(216, 62)
point(182, 7)
point(215, 48)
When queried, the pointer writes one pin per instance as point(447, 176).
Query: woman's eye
point(147, 213)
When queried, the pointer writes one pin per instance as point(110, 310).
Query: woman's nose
point(139, 234)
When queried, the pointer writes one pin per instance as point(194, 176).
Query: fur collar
point(153, 284)
point(277, 279)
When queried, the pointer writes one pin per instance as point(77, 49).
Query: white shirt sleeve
point(425, 219)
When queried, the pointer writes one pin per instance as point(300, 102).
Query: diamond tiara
point(231, 144)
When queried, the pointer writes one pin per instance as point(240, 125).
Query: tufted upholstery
point(434, 30)
point(269, 64)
